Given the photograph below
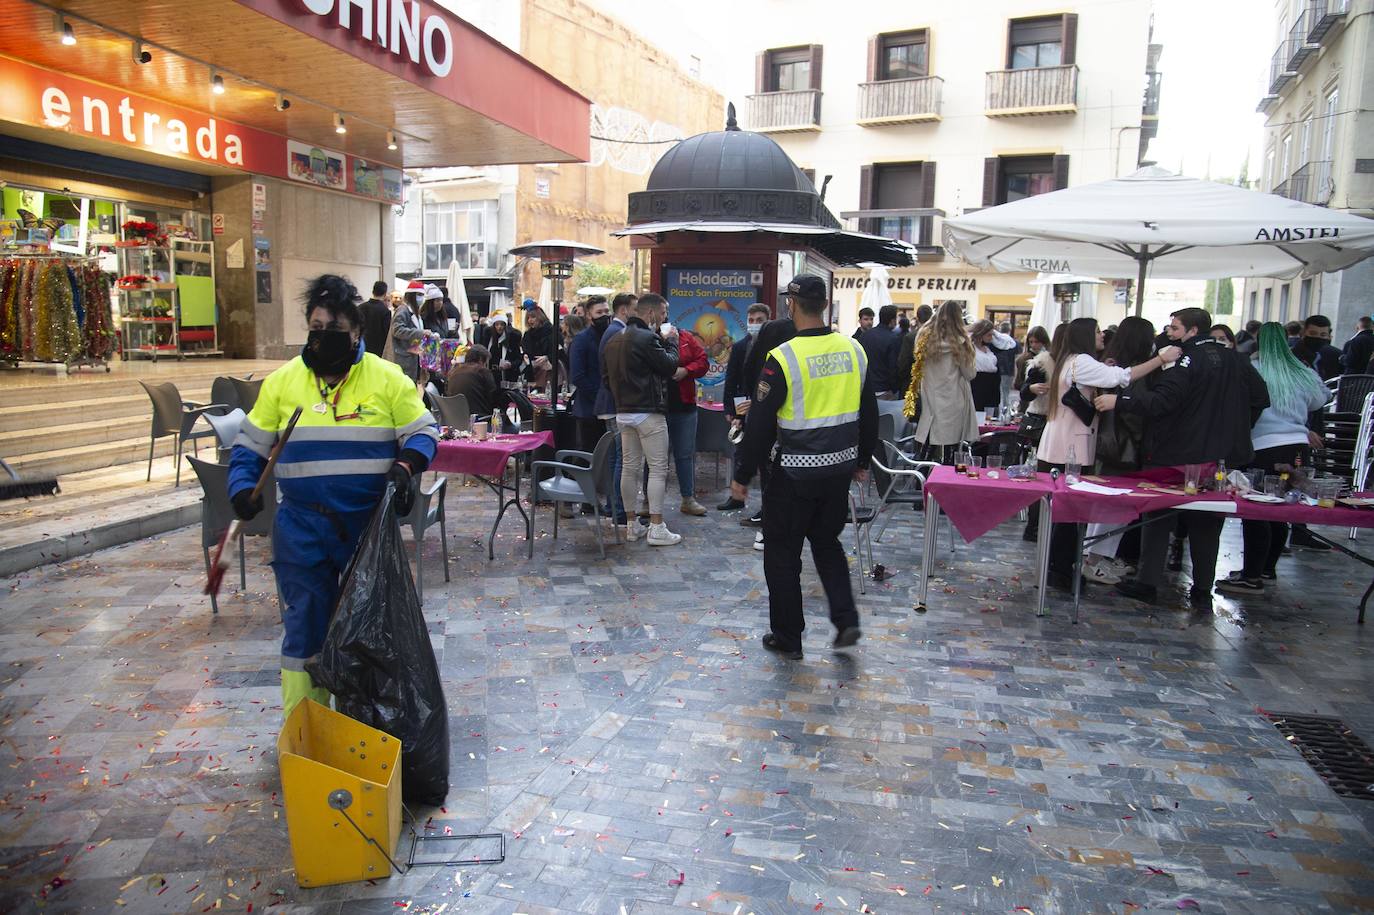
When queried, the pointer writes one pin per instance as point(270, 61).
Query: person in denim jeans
point(682, 418)
point(621, 306)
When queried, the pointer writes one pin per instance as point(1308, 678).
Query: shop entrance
point(1019, 319)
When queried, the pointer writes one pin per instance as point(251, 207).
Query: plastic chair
point(226, 428)
point(713, 431)
point(216, 512)
point(585, 482)
point(176, 417)
point(428, 509)
point(1351, 390)
point(222, 390)
point(453, 412)
point(247, 389)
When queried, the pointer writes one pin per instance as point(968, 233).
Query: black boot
point(1175, 554)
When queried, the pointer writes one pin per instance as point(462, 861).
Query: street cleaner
point(362, 425)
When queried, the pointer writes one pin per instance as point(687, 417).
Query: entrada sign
point(393, 25)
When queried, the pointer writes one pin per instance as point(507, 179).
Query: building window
point(460, 230)
point(1254, 305)
point(1025, 176)
point(1305, 299)
point(1285, 295)
point(1269, 179)
point(789, 70)
point(1285, 158)
point(903, 55)
point(898, 186)
point(1268, 303)
point(1329, 125)
point(1036, 43)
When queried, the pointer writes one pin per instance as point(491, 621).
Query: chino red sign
point(43, 98)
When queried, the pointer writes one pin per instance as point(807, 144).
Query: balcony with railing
point(1034, 90)
point(1309, 184)
point(916, 226)
point(1299, 47)
point(1322, 16)
point(900, 101)
point(1279, 73)
point(779, 112)
point(1150, 107)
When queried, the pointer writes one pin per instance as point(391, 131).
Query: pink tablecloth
point(989, 428)
point(715, 405)
point(486, 459)
point(977, 506)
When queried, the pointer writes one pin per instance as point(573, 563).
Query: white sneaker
point(633, 531)
point(758, 541)
point(659, 535)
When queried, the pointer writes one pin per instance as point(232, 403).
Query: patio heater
point(556, 257)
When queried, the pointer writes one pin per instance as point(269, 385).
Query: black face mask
point(601, 324)
point(1313, 344)
point(328, 352)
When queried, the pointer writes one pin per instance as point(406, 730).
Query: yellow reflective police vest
point(818, 425)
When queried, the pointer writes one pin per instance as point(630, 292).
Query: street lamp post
point(556, 257)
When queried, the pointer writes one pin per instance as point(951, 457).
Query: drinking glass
point(1256, 478)
point(993, 465)
point(479, 431)
point(1273, 485)
point(1192, 473)
point(974, 467)
point(1327, 491)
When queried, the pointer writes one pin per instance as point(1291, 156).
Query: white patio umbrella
point(1045, 311)
point(1157, 222)
point(876, 294)
point(595, 290)
point(459, 294)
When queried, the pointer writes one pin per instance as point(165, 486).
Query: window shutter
point(866, 198)
point(761, 72)
point(992, 172)
point(1061, 172)
point(815, 66)
point(875, 48)
point(927, 201)
point(1069, 49)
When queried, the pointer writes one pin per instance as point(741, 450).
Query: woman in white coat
point(941, 372)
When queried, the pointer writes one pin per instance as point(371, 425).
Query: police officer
point(362, 424)
point(814, 400)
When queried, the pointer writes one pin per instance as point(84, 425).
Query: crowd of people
point(1124, 399)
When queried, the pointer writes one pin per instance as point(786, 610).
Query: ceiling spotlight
point(391, 139)
point(216, 83)
point(140, 55)
point(64, 28)
point(282, 103)
point(339, 123)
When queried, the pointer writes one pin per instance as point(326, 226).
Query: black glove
point(245, 506)
point(402, 500)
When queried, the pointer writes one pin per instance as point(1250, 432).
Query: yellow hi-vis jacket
point(818, 425)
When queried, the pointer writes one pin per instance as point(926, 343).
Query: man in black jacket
point(637, 365)
point(1198, 412)
point(1314, 350)
point(376, 320)
point(1359, 348)
point(881, 342)
point(757, 316)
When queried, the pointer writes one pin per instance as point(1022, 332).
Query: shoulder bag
point(1075, 401)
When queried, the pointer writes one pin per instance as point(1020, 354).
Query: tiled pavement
point(619, 722)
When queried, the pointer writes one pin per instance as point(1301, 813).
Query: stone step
point(95, 432)
point(61, 461)
point(72, 390)
point(42, 415)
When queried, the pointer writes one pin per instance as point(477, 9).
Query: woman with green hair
point(1280, 437)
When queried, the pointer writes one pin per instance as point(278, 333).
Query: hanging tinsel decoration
point(9, 316)
point(918, 365)
point(98, 335)
point(56, 336)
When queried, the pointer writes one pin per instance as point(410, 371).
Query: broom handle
point(274, 454)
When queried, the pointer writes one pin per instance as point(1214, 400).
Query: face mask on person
point(752, 329)
point(328, 352)
point(601, 323)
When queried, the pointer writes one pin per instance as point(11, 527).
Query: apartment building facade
point(642, 101)
point(1317, 96)
point(910, 112)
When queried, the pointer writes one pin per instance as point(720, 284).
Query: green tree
point(615, 276)
point(1226, 297)
point(1209, 296)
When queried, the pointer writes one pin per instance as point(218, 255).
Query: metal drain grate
point(1344, 761)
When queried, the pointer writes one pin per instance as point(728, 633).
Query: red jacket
point(691, 355)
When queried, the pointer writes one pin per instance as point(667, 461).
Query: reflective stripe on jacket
point(818, 425)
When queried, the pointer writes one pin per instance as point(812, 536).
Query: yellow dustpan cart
point(341, 783)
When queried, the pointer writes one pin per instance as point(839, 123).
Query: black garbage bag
point(378, 662)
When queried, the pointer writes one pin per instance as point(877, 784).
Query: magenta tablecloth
point(486, 459)
point(715, 405)
point(990, 428)
point(977, 506)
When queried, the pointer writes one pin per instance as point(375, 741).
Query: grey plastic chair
point(176, 417)
point(226, 428)
point(899, 481)
point(453, 412)
point(247, 389)
point(861, 516)
point(216, 512)
point(222, 390)
point(712, 431)
point(585, 482)
point(428, 510)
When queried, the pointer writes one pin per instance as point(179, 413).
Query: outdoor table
point(488, 461)
point(1077, 506)
point(977, 506)
point(993, 428)
point(713, 405)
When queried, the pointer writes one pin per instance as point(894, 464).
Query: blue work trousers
point(311, 549)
